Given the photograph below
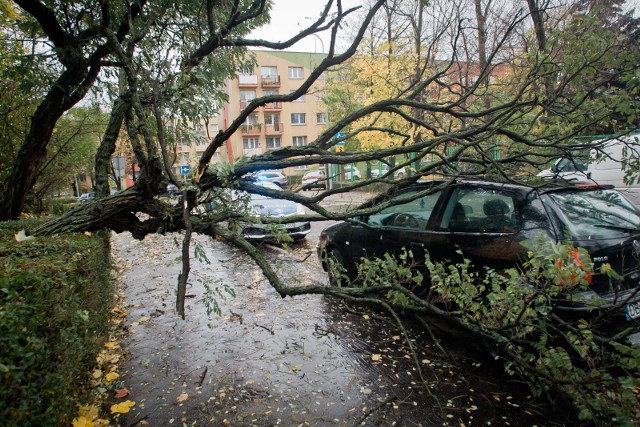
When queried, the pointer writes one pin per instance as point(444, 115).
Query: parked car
point(314, 179)
point(571, 170)
point(490, 221)
point(272, 176)
point(605, 166)
point(269, 207)
point(173, 190)
point(378, 171)
point(87, 197)
point(351, 169)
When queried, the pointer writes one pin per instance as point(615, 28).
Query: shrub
point(55, 295)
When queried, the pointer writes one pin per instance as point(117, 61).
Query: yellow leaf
point(97, 374)
point(376, 357)
point(21, 236)
point(89, 412)
point(365, 317)
point(111, 376)
point(182, 397)
point(87, 233)
point(122, 407)
point(82, 422)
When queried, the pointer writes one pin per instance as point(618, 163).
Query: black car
point(488, 222)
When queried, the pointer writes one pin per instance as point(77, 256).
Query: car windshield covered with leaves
point(264, 218)
point(493, 225)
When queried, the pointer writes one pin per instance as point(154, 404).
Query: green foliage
point(516, 309)
point(587, 358)
point(55, 296)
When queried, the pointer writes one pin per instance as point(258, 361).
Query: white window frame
point(269, 68)
point(321, 118)
point(271, 118)
point(297, 122)
point(275, 143)
point(299, 141)
point(250, 143)
point(296, 73)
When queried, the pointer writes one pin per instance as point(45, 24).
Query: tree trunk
point(108, 147)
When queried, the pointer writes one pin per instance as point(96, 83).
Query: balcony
point(253, 129)
point(270, 82)
point(273, 106)
point(274, 129)
point(247, 80)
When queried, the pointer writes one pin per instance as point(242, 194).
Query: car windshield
point(599, 214)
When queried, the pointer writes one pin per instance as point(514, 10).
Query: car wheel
point(335, 268)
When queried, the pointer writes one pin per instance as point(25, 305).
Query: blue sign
point(184, 170)
point(338, 136)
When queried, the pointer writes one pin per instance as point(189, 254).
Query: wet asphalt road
point(265, 360)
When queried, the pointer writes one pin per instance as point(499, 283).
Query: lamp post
point(326, 103)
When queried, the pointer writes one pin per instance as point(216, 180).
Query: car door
point(482, 222)
point(403, 224)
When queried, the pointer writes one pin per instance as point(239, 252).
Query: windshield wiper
point(628, 229)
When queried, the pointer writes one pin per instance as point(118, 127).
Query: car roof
point(546, 187)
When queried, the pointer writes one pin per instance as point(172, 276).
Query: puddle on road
point(306, 360)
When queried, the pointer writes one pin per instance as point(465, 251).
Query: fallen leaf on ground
point(122, 407)
point(182, 397)
point(376, 357)
point(111, 376)
point(123, 392)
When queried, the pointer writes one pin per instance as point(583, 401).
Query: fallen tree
point(446, 115)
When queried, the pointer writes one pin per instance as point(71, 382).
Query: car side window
point(480, 210)
point(413, 214)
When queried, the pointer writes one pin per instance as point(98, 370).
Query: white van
point(606, 165)
point(609, 164)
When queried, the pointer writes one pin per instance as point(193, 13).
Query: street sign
point(338, 136)
point(119, 165)
point(339, 148)
point(185, 169)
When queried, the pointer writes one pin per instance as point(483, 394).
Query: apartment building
point(272, 126)
point(276, 124)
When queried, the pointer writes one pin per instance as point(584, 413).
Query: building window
point(271, 119)
point(273, 142)
point(250, 143)
point(299, 141)
point(321, 118)
point(298, 119)
point(296, 73)
point(246, 96)
point(246, 69)
point(269, 72)
point(496, 154)
point(269, 92)
point(298, 99)
point(252, 119)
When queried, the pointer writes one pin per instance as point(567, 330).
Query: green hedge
point(55, 297)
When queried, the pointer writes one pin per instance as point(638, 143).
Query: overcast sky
point(289, 17)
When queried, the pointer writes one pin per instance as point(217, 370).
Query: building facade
point(277, 124)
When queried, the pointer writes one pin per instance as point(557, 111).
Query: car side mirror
point(588, 175)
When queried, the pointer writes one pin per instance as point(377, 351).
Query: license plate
point(291, 225)
point(632, 310)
